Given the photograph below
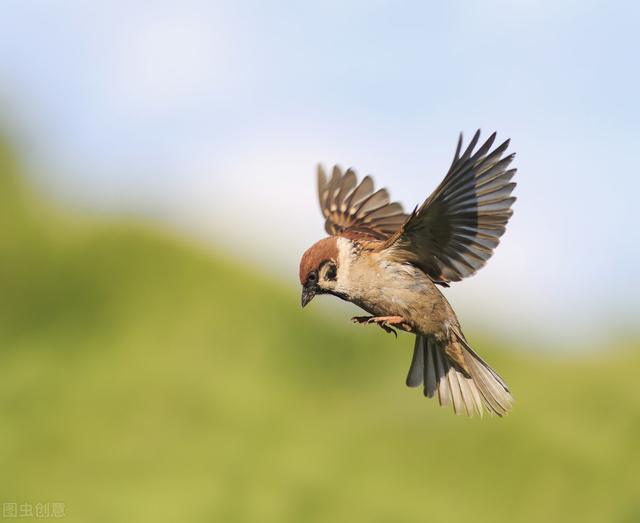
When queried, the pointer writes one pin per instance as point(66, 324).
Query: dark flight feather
point(454, 232)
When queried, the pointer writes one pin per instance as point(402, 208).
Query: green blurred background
point(156, 193)
point(145, 378)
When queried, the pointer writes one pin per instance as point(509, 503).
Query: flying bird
point(390, 264)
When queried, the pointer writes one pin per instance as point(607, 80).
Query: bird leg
point(384, 323)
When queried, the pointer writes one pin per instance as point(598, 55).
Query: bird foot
point(384, 322)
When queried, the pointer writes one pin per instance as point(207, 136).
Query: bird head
point(320, 269)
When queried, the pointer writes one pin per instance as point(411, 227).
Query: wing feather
point(454, 232)
point(349, 206)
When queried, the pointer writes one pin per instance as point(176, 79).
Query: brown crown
point(325, 249)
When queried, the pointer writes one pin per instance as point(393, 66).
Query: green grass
point(146, 379)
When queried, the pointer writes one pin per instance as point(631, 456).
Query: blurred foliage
point(147, 379)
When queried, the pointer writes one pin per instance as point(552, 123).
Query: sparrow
point(391, 265)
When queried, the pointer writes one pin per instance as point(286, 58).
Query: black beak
point(308, 292)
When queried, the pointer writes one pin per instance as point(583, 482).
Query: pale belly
point(409, 293)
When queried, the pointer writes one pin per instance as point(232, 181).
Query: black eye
point(331, 272)
point(313, 277)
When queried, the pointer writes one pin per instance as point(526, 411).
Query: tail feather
point(470, 391)
point(414, 378)
point(491, 386)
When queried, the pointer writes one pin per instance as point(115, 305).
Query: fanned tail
point(470, 389)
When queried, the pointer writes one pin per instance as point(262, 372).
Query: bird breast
point(387, 288)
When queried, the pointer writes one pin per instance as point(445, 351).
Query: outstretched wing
point(455, 231)
point(357, 208)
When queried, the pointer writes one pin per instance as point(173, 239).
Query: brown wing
point(456, 229)
point(349, 207)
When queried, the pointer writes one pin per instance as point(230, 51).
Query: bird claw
point(384, 322)
point(388, 329)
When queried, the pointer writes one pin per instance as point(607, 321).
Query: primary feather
point(454, 232)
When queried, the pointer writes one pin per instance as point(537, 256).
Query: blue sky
point(211, 116)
